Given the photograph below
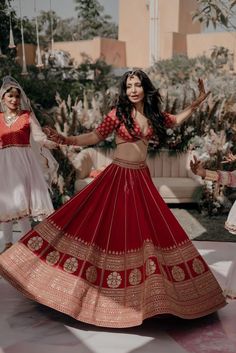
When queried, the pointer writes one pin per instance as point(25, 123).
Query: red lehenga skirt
point(113, 256)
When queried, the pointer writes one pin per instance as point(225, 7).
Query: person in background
point(115, 255)
point(24, 191)
point(224, 178)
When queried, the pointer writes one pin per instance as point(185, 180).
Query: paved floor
point(200, 227)
point(27, 327)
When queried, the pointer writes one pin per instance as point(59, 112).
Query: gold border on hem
point(106, 307)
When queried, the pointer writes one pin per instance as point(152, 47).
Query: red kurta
point(23, 188)
point(16, 135)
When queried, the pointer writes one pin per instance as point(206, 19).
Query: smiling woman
point(11, 100)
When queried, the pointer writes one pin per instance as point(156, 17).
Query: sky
point(63, 8)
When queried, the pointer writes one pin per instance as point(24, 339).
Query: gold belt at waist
point(129, 164)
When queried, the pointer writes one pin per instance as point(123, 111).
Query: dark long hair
point(152, 105)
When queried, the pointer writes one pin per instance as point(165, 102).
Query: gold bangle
point(211, 175)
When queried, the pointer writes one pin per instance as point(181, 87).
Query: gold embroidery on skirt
point(198, 266)
point(76, 297)
point(52, 258)
point(178, 273)
point(71, 265)
point(114, 280)
point(91, 274)
point(35, 243)
point(183, 252)
point(135, 277)
point(150, 267)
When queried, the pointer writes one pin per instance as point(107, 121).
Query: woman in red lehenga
point(114, 254)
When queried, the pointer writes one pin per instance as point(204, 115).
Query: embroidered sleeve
point(108, 125)
point(170, 120)
point(227, 178)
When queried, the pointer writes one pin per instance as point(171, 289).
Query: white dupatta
point(38, 140)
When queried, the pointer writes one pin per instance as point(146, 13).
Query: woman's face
point(12, 99)
point(134, 89)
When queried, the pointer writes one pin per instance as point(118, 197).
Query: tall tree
point(92, 21)
point(61, 29)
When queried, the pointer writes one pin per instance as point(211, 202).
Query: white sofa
point(171, 174)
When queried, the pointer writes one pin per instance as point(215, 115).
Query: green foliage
point(92, 21)
point(4, 25)
point(7, 12)
point(179, 70)
point(50, 24)
point(216, 13)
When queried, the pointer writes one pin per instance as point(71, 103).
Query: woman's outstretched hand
point(230, 158)
point(197, 167)
point(54, 136)
point(202, 95)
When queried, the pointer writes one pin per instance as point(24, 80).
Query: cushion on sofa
point(176, 190)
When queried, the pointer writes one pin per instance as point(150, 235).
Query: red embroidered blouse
point(18, 134)
point(111, 123)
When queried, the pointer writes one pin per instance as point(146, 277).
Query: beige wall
point(173, 21)
point(111, 50)
point(199, 44)
point(186, 24)
point(134, 31)
point(77, 48)
point(168, 16)
point(173, 44)
point(176, 32)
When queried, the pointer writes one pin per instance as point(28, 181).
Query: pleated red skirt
point(113, 256)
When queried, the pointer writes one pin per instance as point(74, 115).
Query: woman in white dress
point(27, 168)
point(224, 178)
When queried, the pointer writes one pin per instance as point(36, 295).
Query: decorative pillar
point(154, 32)
point(39, 62)
point(11, 40)
point(24, 67)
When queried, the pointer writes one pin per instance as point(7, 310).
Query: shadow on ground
point(201, 227)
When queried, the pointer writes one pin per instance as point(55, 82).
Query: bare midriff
point(135, 151)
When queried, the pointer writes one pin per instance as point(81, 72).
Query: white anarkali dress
point(229, 179)
point(24, 190)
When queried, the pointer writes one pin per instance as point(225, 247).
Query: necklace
point(10, 119)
